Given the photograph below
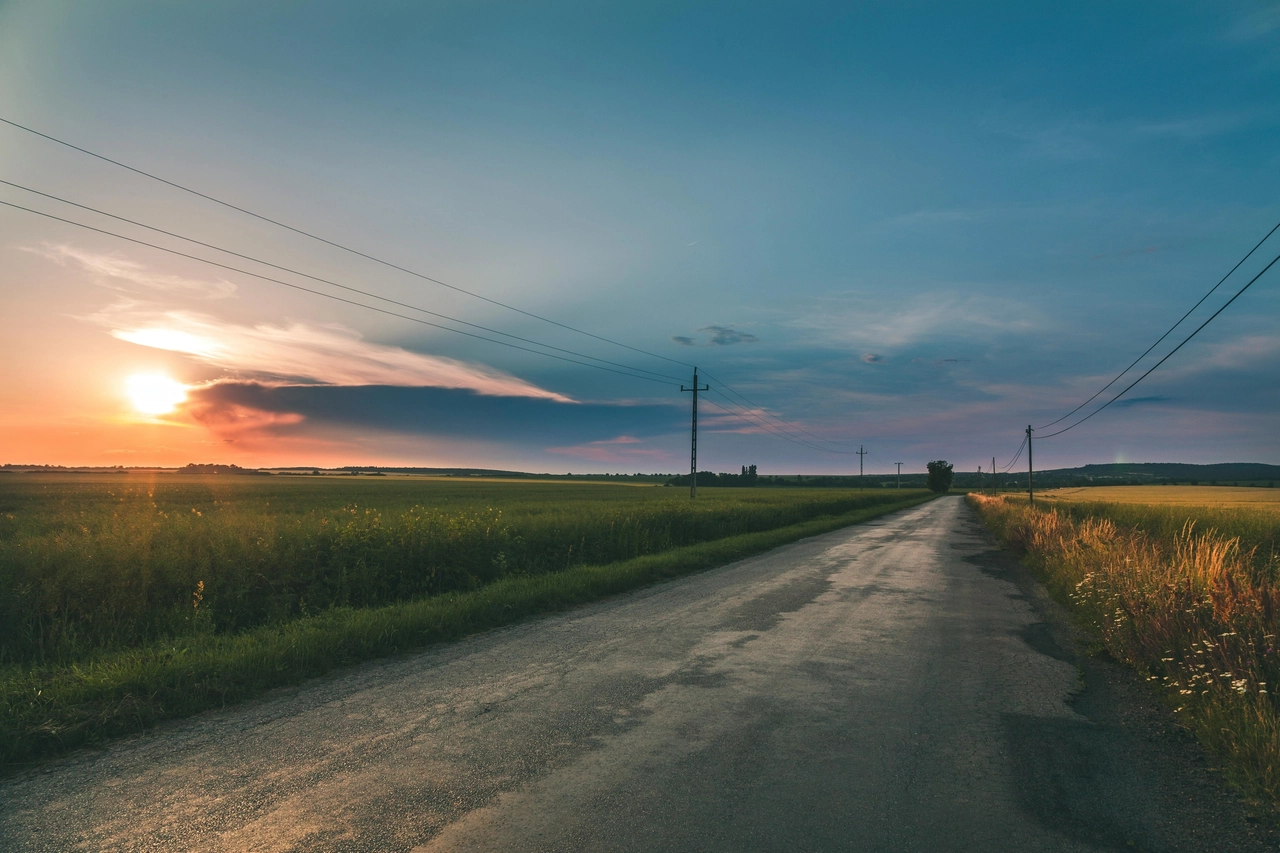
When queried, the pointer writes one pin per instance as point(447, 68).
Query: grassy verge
point(44, 711)
point(1190, 609)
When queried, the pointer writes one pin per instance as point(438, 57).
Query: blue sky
point(910, 225)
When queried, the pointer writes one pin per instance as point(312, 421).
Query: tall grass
point(1192, 607)
point(97, 564)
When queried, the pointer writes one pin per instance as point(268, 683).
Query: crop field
point(1228, 496)
point(1189, 595)
point(126, 598)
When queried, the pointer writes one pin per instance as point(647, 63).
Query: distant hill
point(1173, 471)
point(1137, 473)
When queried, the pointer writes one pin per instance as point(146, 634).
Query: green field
point(128, 598)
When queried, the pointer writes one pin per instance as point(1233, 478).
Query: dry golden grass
point(1188, 607)
point(1173, 495)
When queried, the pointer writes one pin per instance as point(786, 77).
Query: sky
point(912, 227)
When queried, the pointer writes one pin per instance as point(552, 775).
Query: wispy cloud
point(1256, 25)
point(873, 358)
point(1143, 401)
point(120, 273)
point(860, 321)
point(727, 336)
point(622, 449)
point(327, 354)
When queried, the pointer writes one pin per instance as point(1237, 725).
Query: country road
point(887, 687)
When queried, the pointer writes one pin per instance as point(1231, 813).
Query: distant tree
point(749, 475)
point(939, 476)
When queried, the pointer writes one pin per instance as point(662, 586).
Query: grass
point(380, 582)
point(1188, 596)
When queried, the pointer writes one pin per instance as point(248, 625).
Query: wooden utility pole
point(899, 464)
point(979, 478)
point(693, 446)
point(861, 453)
point(994, 489)
point(1031, 486)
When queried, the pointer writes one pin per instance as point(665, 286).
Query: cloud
point(622, 449)
point(727, 335)
point(119, 273)
point(1256, 25)
point(940, 362)
point(327, 354)
point(1140, 401)
point(233, 422)
point(873, 358)
point(243, 409)
point(720, 336)
point(861, 322)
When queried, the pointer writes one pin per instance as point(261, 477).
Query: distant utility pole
point(693, 448)
point(861, 453)
point(994, 488)
point(899, 464)
point(979, 478)
point(1031, 486)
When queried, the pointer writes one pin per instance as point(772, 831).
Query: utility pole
point(899, 464)
point(861, 453)
point(994, 488)
point(693, 447)
point(1031, 486)
point(979, 478)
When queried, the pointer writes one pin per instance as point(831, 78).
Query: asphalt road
point(888, 687)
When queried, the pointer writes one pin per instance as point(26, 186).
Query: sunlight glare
point(155, 393)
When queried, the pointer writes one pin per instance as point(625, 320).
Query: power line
point(375, 259)
point(1167, 333)
point(627, 369)
point(1016, 456)
point(334, 283)
point(1171, 352)
point(334, 244)
point(329, 295)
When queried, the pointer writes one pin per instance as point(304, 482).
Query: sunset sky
point(913, 226)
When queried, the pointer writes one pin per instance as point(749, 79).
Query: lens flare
point(155, 393)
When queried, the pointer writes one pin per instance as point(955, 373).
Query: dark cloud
point(727, 335)
point(873, 358)
point(1139, 401)
point(234, 410)
point(684, 340)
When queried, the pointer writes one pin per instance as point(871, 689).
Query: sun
point(155, 393)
